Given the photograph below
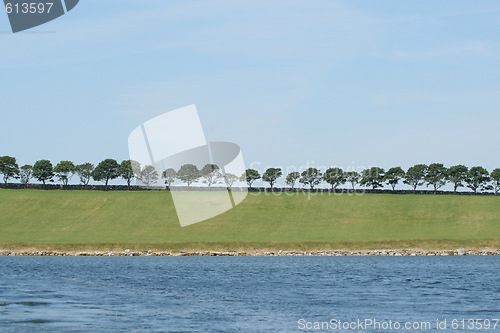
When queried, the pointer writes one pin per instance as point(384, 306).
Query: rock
point(461, 252)
point(127, 250)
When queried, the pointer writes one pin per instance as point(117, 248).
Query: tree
point(352, 177)
point(415, 176)
point(188, 173)
point(291, 178)
point(106, 171)
point(393, 176)
point(126, 171)
point(211, 174)
point(435, 176)
point(495, 178)
point(334, 177)
point(169, 175)
point(230, 179)
point(249, 176)
point(271, 175)
point(64, 170)
point(311, 177)
point(43, 171)
point(8, 167)
point(147, 175)
point(25, 173)
point(457, 175)
point(477, 179)
point(84, 171)
point(373, 177)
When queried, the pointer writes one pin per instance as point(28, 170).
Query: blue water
point(242, 294)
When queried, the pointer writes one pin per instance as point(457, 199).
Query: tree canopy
point(25, 174)
point(126, 171)
point(495, 178)
point(211, 174)
point(393, 176)
point(271, 175)
point(230, 179)
point(352, 177)
point(415, 176)
point(249, 176)
point(311, 177)
point(477, 179)
point(106, 171)
point(8, 167)
point(64, 170)
point(291, 178)
point(436, 176)
point(169, 175)
point(334, 177)
point(457, 175)
point(84, 171)
point(373, 177)
point(43, 171)
point(147, 175)
point(188, 173)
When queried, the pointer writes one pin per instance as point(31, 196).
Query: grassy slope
point(147, 220)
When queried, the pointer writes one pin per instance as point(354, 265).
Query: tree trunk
point(107, 183)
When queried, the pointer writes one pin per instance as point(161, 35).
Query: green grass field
point(95, 220)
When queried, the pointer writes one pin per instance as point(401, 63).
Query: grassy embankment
point(95, 220)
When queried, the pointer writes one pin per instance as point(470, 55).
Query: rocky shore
point(253, 253)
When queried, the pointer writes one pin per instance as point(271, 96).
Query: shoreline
point(251, 253)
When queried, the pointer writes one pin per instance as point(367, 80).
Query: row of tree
point(435, 175)
point(110, 169)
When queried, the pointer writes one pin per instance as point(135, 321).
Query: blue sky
point(295, 83)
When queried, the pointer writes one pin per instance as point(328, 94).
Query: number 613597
point(29, 7)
